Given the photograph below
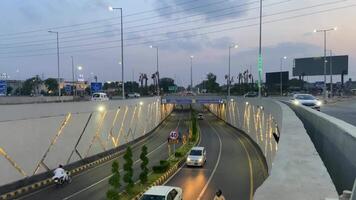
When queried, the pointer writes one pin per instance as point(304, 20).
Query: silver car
point(196, 157)
point(307, 100)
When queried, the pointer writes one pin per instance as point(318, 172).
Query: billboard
point(3, 88)
point(314, 66)
point(274, 78)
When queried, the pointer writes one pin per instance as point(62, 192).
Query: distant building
point(15, 85)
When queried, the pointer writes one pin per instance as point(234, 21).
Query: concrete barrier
point(295, 169)
point(335, 141)
point(37, 137)
point(37, 99)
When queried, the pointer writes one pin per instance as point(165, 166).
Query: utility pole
point(260, 54)
point(191, 73)
point(229, 74)
point(58, 71)
point(281, 77)
point(73, 79)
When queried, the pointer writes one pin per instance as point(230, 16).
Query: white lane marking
point(107, 177)
point(216, 164)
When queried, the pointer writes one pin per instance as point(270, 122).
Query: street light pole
point(229, 74)
point(331, 73)
point(191, 73)
point(325, 61)
point(260, 54)
point(73, 84)
point(281, 77)
point(58, 72)
point(122, 50)
point(158, 88)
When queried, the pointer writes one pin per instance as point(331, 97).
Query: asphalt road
point(345, 110)
point(93, 183)
point(233, 165)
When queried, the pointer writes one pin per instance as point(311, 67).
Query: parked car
point(251, 94)
point(306, 100)
point(99, 96)
point(163, 193)
point(196, 157)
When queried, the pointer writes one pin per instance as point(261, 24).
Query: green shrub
point(128, 170)
point(114, 181)
point(144, 169)
point(178, 154)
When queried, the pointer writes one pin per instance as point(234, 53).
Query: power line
point(193, 35)
point(24, 44)
point(183, 30)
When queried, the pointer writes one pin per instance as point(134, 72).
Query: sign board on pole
point(68, 89)
point(3, 88)
point(172, 88)
point(173, 135)
point(96, 87)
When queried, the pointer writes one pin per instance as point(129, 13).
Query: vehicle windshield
point(96, 95)
point(305, 97)
point(195, 152)
point(152, 197)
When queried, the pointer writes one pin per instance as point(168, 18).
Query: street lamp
point(331, 73)
point(191, 72)
point(325, 61)
point(235, 46)
point(281, 83)
point(122, 50)
point(260, 54)
point(59, 81)
point(158, 88)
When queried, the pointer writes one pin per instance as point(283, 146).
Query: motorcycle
point(61, 180)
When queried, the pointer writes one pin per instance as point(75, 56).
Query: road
point(93, 183)
point(345, 110)
point(233, 165)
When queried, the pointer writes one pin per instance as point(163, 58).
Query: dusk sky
point(90, 33)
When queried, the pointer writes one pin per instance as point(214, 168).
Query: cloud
point(206, 8)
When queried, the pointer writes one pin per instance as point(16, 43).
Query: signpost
point(173, 139)
point(3, 88)
point(68, 89)
point(96, 87)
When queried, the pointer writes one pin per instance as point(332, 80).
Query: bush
point(162, 167)
point(178, 154)
point(128, 170)
point(144, 169)
point(114, 181)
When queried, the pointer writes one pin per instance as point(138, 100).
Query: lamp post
point(260, 54)
point(58, 72)
point(158, 88)
point(191, 72)
point(331, 73)
point(325, 61)
point(235, 46)
point(281, 77)
point(122, 50)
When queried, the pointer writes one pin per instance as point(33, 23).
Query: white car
point(196, 157)
point(307, 100)
point(163, 193)
point(134, 95)
point(200, 116)
point(99, 96)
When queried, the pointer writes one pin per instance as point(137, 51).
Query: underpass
point(241, 137)
point(234, 164)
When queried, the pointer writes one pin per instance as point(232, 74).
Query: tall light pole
point(281, 77)
point(191, 73)
point(122, 50)
point(235, 46)
point(58, 72)
point(325, 61)
point(260, 54)
point(331, 73)
point(73, 76)
point(158, 88)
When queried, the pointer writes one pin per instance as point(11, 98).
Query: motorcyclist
point(219, 196)
point(61, 173)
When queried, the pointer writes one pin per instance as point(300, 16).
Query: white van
point(99, 96)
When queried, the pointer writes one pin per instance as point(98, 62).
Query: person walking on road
point(219, 196)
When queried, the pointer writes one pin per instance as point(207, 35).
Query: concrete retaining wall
point(335, 141)
point(31, 133)
point(295, 168)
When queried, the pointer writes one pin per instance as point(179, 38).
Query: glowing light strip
point(12, 162)
point(111, 133)
point(54, 140)
point(117, 141)
point(132, 118)
point(96, 136)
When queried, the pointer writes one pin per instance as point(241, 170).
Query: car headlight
point(200, 160)
point(296, 102)
point(319, 103)
point(188, 159)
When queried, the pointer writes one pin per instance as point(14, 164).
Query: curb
point(48, 181)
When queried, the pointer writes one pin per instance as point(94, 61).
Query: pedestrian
point(219, 196)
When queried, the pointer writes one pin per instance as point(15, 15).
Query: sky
point(90, 33)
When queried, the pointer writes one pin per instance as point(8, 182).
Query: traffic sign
point(3, 88)
point(96, 87)
point(172, 88)
point(173, 135)
point(68, 89)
